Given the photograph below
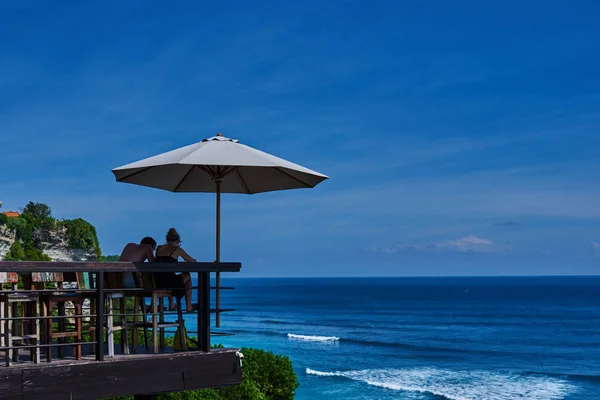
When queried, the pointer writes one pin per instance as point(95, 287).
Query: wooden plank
point(128, 375)
point(59, 266)
point(205, 376)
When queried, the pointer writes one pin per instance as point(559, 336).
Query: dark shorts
point(170, 280)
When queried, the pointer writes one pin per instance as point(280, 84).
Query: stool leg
point(145, 321)
point(154, 324)
point(124, 326)
point(7, 333)
point(161, 310)
point(14, 330)
point(2, 324)
point(181, 326)
point(36, 355)
point(92, 322)
point(110, 328)
point(49, 338)
point(78, 322)
point(134, 330)
point(61, 327)
point(30, 324)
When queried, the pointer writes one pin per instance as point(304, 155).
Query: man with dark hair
point(134, 252)
point(149, 241)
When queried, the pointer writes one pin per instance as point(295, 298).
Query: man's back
point(134, 252)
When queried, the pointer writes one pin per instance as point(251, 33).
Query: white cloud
point(466, 244)
point(471, 243)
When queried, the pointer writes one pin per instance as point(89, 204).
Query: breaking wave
point(313, 338)
point(460, 385)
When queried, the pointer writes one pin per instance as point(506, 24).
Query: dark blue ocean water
point(425, 338)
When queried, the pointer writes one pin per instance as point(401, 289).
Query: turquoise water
point(425, 338)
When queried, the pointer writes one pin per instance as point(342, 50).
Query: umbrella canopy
point(195, 168)
point(218, 165)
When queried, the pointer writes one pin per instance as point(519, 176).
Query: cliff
point(7, 238)
point(36, 235)
point(55, 244)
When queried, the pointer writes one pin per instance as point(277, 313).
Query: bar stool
point(157, 324)
point(15, 332)
point(84, 282)
point(116, 299)
point(59, 298)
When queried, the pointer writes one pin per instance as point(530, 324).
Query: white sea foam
point(460, 385)
point(313, 338)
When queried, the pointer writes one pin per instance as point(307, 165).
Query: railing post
point(204, 311)
point(100, 316)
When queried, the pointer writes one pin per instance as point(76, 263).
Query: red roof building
point(11, 213)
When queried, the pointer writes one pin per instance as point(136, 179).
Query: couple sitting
point(170, 252)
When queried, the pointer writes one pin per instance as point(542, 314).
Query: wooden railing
point(98, 291)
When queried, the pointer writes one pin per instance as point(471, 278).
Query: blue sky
point(460, 140)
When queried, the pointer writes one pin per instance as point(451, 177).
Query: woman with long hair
point(180, 284)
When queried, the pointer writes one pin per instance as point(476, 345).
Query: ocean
point(425, 338)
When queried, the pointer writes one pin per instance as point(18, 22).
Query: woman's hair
point(173, 236)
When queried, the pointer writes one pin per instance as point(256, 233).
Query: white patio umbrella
point(218, 165)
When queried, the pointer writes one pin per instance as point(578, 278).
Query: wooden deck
point(97, 376)
point(123, 375)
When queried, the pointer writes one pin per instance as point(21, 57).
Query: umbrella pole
point(218, 255)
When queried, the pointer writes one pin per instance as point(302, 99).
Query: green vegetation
point(34, 216)
point(37, 216)
point(18, 253)
point(82, 235)
point(112, 257)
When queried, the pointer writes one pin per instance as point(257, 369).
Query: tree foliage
point(22, 228)
point(82, 235)
point(38, 215)
point(15, 253)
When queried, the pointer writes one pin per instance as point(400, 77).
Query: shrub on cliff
point(15, 253)
point(272, 373)
point(82, 235)
point(27, 253)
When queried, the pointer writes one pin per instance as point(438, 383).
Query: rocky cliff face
point(53, 243)
point(7, 238)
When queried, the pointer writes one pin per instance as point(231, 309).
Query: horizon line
point(420, 276)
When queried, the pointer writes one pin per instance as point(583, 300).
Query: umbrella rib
point(207, 170)
point(293, 177)
point(184, 178)
point(243, 181)
point(134, 173)
point(227, 170)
